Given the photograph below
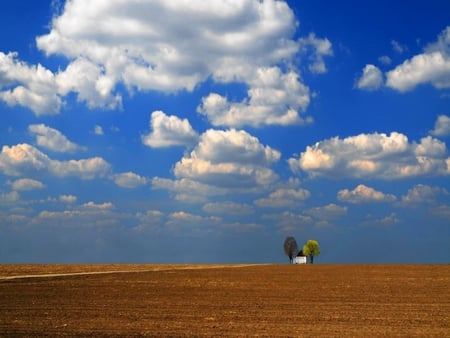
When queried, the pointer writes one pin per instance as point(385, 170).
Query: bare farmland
point(214, 300)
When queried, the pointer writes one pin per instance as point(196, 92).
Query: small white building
point(300, 258)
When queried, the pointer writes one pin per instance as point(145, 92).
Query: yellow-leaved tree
point(311, 249)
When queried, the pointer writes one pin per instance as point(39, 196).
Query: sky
point(208, 131)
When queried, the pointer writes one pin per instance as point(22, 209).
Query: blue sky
point(169, 131)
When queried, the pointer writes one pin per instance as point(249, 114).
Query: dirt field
point(265, 300)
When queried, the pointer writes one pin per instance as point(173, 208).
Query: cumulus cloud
point(98, 130)
point(68, 198)
point(284, 198)
point(150, 220)
point(129, 180)
point(149, 216)
point(442, 126)
point(374, 155)
point(90, 214)
point(432, 66)
point(23, 159)
point(100, 206)
point(52, 139)
point(188, 190)
point(25, 184)
point(138, 40)
point(274, 98)
point(28, 86)
point(371, 78)
point(229, 159)
point(326, 213)
point(88, 79)
point(318, 49)
point(135, 44)
point(364, 194)
point(422, 194)
point(9, 197)
point(390, 219)
point(169, 131)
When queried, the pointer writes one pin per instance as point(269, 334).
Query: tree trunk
point(311, 258)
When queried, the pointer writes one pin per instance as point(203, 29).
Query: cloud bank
point(374, 155)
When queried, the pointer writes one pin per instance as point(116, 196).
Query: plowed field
point(260, 300)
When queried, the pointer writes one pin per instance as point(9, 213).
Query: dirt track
point(271, 300)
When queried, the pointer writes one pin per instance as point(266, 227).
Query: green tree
point(311, 249)
point(290, 248)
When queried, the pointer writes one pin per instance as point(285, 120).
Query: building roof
point(300, 254)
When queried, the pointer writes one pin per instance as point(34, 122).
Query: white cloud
point(374, 156)
point(288, 222)
point(167, 45)
point(442, 210)
point(422, 194)
point(389, 219)
point(284, 198)
point(385, 60)
point(89, 81)
point(86, 168)
point(229, 159)
point(327, 212)
point(320, 48)
point(99, 206)
point(169, 131)
point(28, 86)
point(364, 194)
point(384, 221)
point(135, 44)
point(442, 126)
point(432, 66)
point(223, 162)
point(25, 184)
point(52, 139)
point(150, 220)
point(274, 98)
point(22, 159)
point(10, 197)
point(187, 190)
point(87, 215)
point(129, 180)
point(398, 47)
point(228, 208)
point(68, 198)
point(98, 130)
point(150, 216)
point(371, 78)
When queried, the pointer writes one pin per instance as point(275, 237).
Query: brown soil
point(17, 270)
point(265, 300)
